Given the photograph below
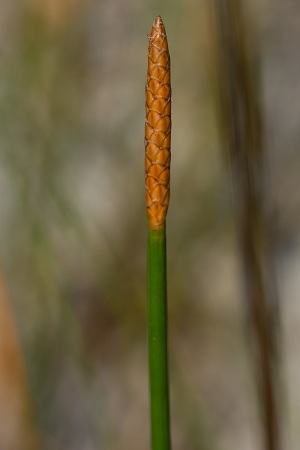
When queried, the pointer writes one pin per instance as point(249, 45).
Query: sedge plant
point(157, 176)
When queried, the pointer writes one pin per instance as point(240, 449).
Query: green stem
point(157, 340)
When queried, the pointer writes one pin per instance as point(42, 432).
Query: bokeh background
point(73, 347)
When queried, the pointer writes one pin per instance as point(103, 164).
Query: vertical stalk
point(157, 176)
point(157, 340)
point(242, 127)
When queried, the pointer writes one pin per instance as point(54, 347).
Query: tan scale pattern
point(158, 126)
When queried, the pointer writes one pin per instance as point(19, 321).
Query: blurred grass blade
point(240, 120)
point(19, 428)
point(157, 174)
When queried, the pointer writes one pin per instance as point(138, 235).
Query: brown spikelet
point(158, 126)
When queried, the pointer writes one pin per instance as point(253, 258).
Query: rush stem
point(157, 340)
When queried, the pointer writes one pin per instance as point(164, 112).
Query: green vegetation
point(157, 339)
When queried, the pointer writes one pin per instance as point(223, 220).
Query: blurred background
point(73, 346)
